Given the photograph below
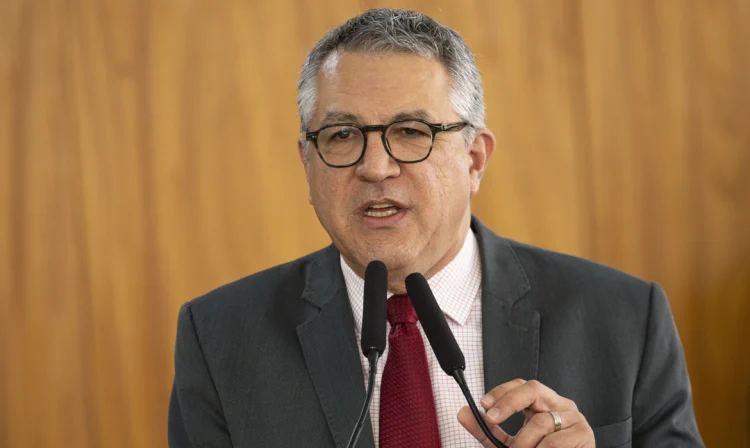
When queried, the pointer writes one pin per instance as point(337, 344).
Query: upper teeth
point(385, 205)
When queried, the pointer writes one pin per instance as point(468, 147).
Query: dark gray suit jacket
point(271, 360)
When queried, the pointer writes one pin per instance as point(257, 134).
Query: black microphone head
point(443, 343)
point(375, 307)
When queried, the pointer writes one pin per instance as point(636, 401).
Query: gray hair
point(397, 31)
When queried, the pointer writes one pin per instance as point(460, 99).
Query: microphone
point(373, 339)
point(448, 353)
point(374, 314)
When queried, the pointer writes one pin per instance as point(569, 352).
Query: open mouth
point(381, 210)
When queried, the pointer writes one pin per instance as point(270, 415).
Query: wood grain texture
point(147, 155)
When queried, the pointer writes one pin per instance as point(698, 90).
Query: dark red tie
point(407, 407)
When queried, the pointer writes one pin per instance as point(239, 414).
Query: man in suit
point(563, 352)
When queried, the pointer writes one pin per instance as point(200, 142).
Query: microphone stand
point(458, 375)
point(372, 358)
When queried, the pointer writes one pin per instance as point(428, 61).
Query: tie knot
point(400, 310)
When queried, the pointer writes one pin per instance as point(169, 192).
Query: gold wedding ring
point(557, 419)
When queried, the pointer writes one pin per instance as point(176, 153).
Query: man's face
point(413, 217)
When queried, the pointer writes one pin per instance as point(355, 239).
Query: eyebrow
point(419, 114)
point(332, 117)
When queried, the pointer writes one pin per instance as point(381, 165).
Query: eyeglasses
point(407, 141)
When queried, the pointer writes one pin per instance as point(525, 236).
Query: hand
point(536, 401)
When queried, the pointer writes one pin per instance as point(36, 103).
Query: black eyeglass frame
point(312, 136)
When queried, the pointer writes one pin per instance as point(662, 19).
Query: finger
point(579, 435)
point(530, 396)
point(528, 413)
point(492, 396)
point(467, 420)
point(542, 425)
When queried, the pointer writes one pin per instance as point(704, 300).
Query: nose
point(376, 164)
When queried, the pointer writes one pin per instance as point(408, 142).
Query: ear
point(480, 152)
point(306, 164)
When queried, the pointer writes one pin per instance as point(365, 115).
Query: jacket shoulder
point(286, 280)
point(568, 275)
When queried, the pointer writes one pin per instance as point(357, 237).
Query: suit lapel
point(331, 351)
point(510, 333)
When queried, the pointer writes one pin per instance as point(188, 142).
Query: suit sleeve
point(662, 404)
point(196, 418)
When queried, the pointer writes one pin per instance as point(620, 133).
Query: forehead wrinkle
point(371, 89)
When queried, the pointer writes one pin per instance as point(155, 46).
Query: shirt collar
point(455, 287)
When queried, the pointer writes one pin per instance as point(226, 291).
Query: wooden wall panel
point(147, 155)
